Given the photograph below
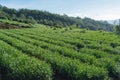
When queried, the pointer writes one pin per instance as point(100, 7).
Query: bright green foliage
point(62, 65)
point(74, 55)
point(17, 66)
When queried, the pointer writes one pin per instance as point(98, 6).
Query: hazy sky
point(96, 9)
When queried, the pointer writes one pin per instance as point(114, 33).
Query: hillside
point(54, 54)
point(115, 22)
point(39, 45)
point(9, 24)
point(54, 20)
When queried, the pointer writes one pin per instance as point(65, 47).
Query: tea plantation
point(59, 54)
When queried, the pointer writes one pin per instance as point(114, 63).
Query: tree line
point(55, 20)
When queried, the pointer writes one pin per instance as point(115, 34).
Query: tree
point(47, 18)
point(117, 28)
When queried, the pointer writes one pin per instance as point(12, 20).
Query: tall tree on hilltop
point(117, 28)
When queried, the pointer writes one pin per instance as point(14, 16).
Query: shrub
point(83, 31)
point(18, 66)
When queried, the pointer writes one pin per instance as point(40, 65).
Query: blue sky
point(96, 9)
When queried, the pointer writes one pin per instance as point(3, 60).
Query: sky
point(95, 9)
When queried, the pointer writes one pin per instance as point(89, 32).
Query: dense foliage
point(117, 29)
point(43, 17)
point(84, 55)
point(8, 24)
point(17, 66)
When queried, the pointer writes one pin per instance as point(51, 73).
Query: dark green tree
point(55, 20)
point(117, 28)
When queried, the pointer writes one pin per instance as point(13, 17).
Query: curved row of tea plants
point(70, 51)
point(106, 62)
point(72, 68)
point(101, 43)
point(18, 66)
point(62, 50)
point(48, 40)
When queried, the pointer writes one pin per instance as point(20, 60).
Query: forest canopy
point(51, 19)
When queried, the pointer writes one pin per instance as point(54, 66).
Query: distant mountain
point(115, 22)
point(54, 20)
